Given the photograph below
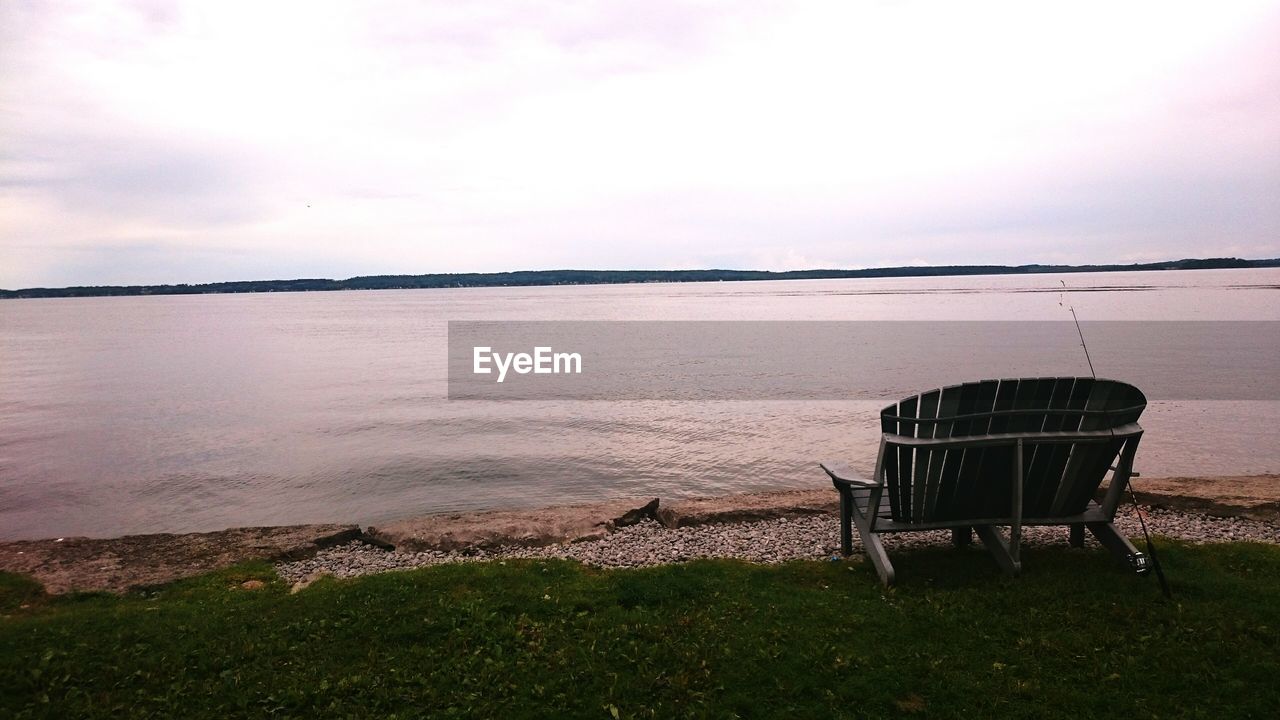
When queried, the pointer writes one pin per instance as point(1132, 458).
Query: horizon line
point(579, 276)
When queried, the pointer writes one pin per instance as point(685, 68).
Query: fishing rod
point(1137, 509)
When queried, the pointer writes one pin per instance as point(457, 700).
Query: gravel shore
point(771, 541)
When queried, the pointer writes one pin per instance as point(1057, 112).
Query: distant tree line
point(599, 277)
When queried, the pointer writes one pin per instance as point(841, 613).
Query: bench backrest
point(973, 477)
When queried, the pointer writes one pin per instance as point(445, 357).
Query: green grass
point(1077, 636)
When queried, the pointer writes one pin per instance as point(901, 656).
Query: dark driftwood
point(992, 454)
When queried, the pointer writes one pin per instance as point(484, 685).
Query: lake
point(184, 413)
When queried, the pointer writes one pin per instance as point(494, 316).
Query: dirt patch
point(748, 507)
point(117, 564)
point(1256, 497)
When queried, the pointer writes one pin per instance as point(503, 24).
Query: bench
point(993, 454)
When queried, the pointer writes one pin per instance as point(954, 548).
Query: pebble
point(769, 541)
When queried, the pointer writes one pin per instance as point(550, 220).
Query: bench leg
point(879, 558)
point(1077, 535)
point(852, 516)
point(874, 550)
point(1000, 549)
point(1111, 539)
point(846, 522)
point(962, 537)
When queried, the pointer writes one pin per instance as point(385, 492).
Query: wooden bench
point(997, 453)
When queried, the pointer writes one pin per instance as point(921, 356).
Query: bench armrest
point(844, 475)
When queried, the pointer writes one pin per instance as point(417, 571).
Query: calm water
point(148, 414)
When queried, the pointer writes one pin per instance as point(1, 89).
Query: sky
point(164, 142)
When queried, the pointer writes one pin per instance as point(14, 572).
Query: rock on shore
point(809, 536)
point(544, 526)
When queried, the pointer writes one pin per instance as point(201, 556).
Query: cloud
point(139, 179)
point(169, 142)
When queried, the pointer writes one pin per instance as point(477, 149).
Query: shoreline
point(118, 564)
point(566, 276)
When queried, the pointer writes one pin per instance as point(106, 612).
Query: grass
point(1076, 637)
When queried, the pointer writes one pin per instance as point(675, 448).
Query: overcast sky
point(156, 142)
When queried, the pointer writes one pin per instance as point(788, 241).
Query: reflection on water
point(141, 414)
